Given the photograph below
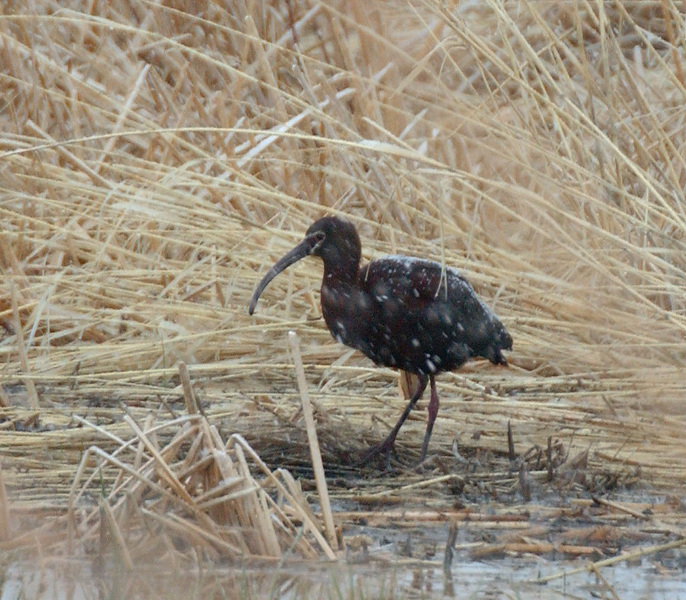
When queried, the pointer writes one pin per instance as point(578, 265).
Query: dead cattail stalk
point(4, 509)
point(192, 406)
point(315, 453)
point(21, 350)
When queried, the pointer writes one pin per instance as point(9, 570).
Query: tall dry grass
point(156, 158)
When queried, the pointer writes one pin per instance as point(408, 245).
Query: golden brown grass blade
point(4, 510)
point(315, 453)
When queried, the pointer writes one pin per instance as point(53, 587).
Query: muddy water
point(384, 570)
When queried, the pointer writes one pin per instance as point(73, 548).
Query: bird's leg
point(433, 411)
point(386, 446)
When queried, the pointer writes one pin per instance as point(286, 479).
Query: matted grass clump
point(193, 494)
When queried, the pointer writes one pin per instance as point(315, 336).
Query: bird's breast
point(346, 311)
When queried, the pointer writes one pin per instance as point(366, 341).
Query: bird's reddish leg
point(433, 411)
point(386, 446)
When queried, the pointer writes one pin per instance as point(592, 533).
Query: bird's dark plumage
point(402, 312)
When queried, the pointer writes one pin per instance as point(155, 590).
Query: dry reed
point(155, 160)
point(195, 491)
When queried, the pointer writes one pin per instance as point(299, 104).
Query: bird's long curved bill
point(302, 250)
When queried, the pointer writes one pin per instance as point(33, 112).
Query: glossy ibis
point(402, 312)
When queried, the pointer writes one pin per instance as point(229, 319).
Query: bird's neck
point(342, 273)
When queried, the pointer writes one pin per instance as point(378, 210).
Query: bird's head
point(333, 239)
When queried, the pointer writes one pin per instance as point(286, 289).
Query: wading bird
point(402, 312)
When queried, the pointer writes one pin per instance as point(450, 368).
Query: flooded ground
point(475, 524)
point(647, 579)
point(413, 552)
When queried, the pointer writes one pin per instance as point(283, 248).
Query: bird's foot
point(426, 464)
point(383, 451)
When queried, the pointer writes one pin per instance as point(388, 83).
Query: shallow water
point(499, 578)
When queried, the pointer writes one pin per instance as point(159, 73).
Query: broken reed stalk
point(620, 507)
point(614, 560)
point(109, 525)
point(296, 502)
point(604, 582)
point(4, 509)
point(192, 406)
point(425, 483)
point(21, 349)
point(315, 452)
point(5, 401)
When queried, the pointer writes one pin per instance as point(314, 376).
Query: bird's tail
point(502, 341)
